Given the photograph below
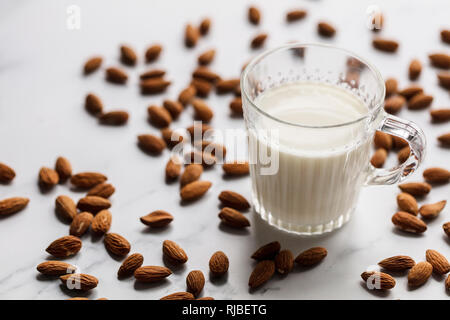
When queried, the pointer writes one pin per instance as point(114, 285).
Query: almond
point(173, 107)
point(440, 60)
point(284, 262)
point(202, 111)
point(378, 280)
point(391, 85)
point(398, 143)
point(101, 222)
point(151, 273)
point(195, 281)
point(171, 138)
point(446, 227)
point(157, 219)
point(191, 173)
point(64, 247)
point(444, 139)
point(173, 168)
point(151, 144)
point(394, 104)
point(438, 261)
point(219, 263)
point(447, 281)
point(65, 207)
point(130, 264)
point(80, 224)
point(187, 95)
point(114, 118)
point(199, 157)
point(191, 35)
point(236, 106)
point(154, 73)
point(326, 30)
point(197, 131)
point(55, 268)
point(295, 15)
point(267, 251)
point(174, 252)
point(48, 178)
point(7, 174)
point(420, 101)
point(408, 203)
point(411, 91)
point(440, 115)
point(445, 36)
point(93, 204)
point(104, 190)
point(262, 273)
point(233, 218)
point(417, 189)
point(206, 57)
point(92, 65)
point(79, 281)
point(213, 148)
point(12, 205)
point(436, 175)
point(202, 87)
point(258, 41)
point(87, 180)
point(444, 79)
point(397, 263)
point(127, 55)
point(63, 168)
point(204, 27)
point(382, 140)
point(385, 45)
point(227, 86)
point(419, 274)
point(409, 223)
point(205, 74)
point(254, 15)
point(311, 256)
point(194, 190)
point(415, 68)
point(154, 85)
point(159, 116)
point(116, 244)
point(236, 168)
point(378, 158)
point(153, 53)
point(116, 75)
point(179, 296)
point(233, 200)
point(429, 211)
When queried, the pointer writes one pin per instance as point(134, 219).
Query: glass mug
point(312, 183)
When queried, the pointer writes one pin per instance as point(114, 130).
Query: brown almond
point(55, 268)
point(378, 158)
point(12, 205)
point(417, 189)
point(227, 85)
point(398, 143)
point(174, 252)
point(236, 106)
point(447, 281)
point(205, 74)
point(391, 86)
point(444, 139)
point(102, 222)
point(127, 55)
point(63, 168)
point(186, 95)
point(254, 15)
point(197, 131)
point(48, 178)
point(153, 73)
point(151, 144)
point(116, 75)
point(446, 227)
point(175, 108)
point(326, 30)
point(378, 280)
point(104, 190)
point(445, 36)
point(154, 85)
point(171, 137)
point(233, 218)
point(440, 60)
point(311, 256)
point(394, 104)
point(93, 204)
point(409, 223)
point(262, 273)
point(202, 87)
point(440, 115)
point(64, 247)
point(157, 219)
point(87, 180)
point(397, 263)
point(159, 116)
point(199, 157)
point(407, 203)
point(382, 140)
point(191, 35)
point(419, 274)
point(233, 200)
point(79, 281)
point(411, 91)
point(204, 27)
point(93, 104)
point(444, 79)
point(219, 263)
point(420, 101)
point(114, 118)
point(80, 224)
point(92, 65)
point(130, 264)
point(179, 296)
point(258, 41)
point(436, 175)
point(213, 148)
point(7, 173)
point(284, 262)
point(295, 15)
point(153, 53)
point(195, 281)
point(438, 261)
point(151, 273)
point(173, 168)
point(116, 244)
point(385, 45)
point(65, 207)
point(267, 251)
point(415, 68)
point(192, 172)
point(236, 168)
point(202, 111)
point(206, 57)
point(194, 190)
point(403, 154)
point(430, 211)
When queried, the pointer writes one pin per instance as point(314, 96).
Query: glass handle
point(417, 143)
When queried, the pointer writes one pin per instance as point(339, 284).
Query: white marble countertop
point(42, 116)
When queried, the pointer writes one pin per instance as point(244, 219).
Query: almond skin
point(66, 207)
point(262, 273)
point(438, 261)
point(227, 85)
point(202, 111)
point(284, 262)
point(397, 263)
point(64, 247)
point(206, 57)
point(55, 268)
point(157, 219)
point(93, 204)
point(258, 41)
point(233, 218)
point(444, 79)
point(409, 223)
point(153, 73)
point(192, 172)
point(127, 55)
point(104, 190)
point(151, 144)
point(447, 281)
point(171, 138)
point(420, 101)
point(444, 139)
point(430, 211)
point(195, 281)
point(411, 91)
point(385, 45)
point(254, 15)
point(154, 85)
point(204, 27)
point(179, 296)
point(173, 169)
point(391, 85)
point(12, 205)
point(295, 15)
point(398, 143)
point(191, 36)
point(419, 274)
point(186, 95)
point(114, 118)
point(7, 173)
point(326, 30)
point(101, 222)
point(394, 104)
point(440, 60)
point(415, 68)
point(408, 203)
point(378, 280)
point(116, 244)
point(446, 227)
point(219, 263)
point(440, 115)
point(206, 74)
point(382, 140)
point(152, 53)
point(236, 168)
point(194, 190)
point(48, 178)
point(202, 87)
point(80, 224)
point(233, 200)
point(130, 264)
point(159, 116)
point(436, 175)
point(79, 281)
point(378, 158)
point(236, 106)
point(174, 252)
point(92, 65)
point(86, 180)
point(417, 189)
point(173, 107)
point(63, 168)
point(311, 256)
point(151, 273)
point(199, 130)
point(116, 75)
point(403, 154)
point(445, 36)
point(267, 251)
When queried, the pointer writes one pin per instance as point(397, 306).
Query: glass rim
point(258, 58)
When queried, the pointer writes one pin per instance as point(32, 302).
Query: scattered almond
point(411, 91)
point(438, 261)
point(171, 138)
point(195, 281)
point(236, 106)
point(284, 262)
point(187, 95)
point(7, 173)
point(92, 65)
point(219, 264)
point(378, 280)
point(154, 85)
point(409, 223)
point(446, 227)
point(55, 268)
point(173, 168)
point(64, 247)
point(116, 75)
point(436, 175)
point(48, 178)
point(63, 168)
point(202, 87)
point(378, 158)
point(159, 116)
point(191, 35)
point(420, 101)
point(87, 180)
point(444, 79)
point(397, 263)
point(116, 244)
point(326, 30)
point(399, 143)
point(227, 86)
point(102, 222)
point(153, 53)
point(385, 45)
point(403, 154)
point(153, 73)
point(236, 168)
point(127, 55)
point(267, 251)
point(254, 15)
point(204, 27)
point(444, 139)
point(179, 296)
point(175, 108)
point(80, 224)
point(216, 149)
point(417, 189)
point(382, 140)
point(202, 111)
point(93, 204)
point(65, 207)
point(151, 144)
point(205, 74)
point(104, 190)
point(157, 219)
point(206, 57)
point(258, 41)
point(394, 104)
point(197, 131)
point(391, 86)
point(79, 281)
point(114, 118)
point(295, 15)
point(12, 205)
point(440, 115)
point(447, 281)
point(151, 273)
point(262, 273)
point(440, 60)
point(407, 203)
point(130, 264)
point(93, 104)
point(200, 157)
point(174, 252)
point(429, 211)
point(194, 190)
point(415, 68)
point(192, 172)
point(233, 200)
point(419, 274)
point(311, 256)
point(233, 218)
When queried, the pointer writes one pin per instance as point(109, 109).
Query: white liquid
point(320, 169)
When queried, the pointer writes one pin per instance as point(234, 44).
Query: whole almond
point(101, 222)
point(7, 173)
point(191, 35)
point(382, 140)
point(391, 85)
point(440, 115)
point(179, 296)
point(195, 281)
point(157, 219)
point(92, 65)
point(417, 189)
point(87, 180)
point(175, 108)
point(236, 168)
point(204, 27)
point(153, 53)
point(205, 74)
point(311, 256)
point(444, 139)
point(262, 273)
point(198, 131)
point(378, 158)
point(93, 204)
point(415, 68)
point(447, 281)
point(398, 143)
point(227, 85)
point(127, 55)
point(174, 252)
point(80, 224)
point(154, 85)
point(236, 106)
point(254, 15)
point(192, 172)
point(409, 223)
point(64, 247)
point(65, 207)
point(194, 190)
point(130, 264)
point(419, 274)
point(206, 57)
point(202, 111)
point(79, 281)
point(233, 218)
point(187, 95)
point(326, 30)
point(202, 87)
point(411, 91)
point(397, 263)
point(211, 147)
point(171, 138)
point(116, 75)
point(153, 73)
point(385, 45)
point(219, 263)
point(63, 168)
point(394, 104)
point(420, 101)
point(116, 244)
point(408, 203)
point(104, 190)
point(440, 60)
point(267, 251)
point(151, 273)
point(258, 41)
point(48, 178)
point(438, 261)
point(114, 118)
point(159, 116)
point(436, 175)
point(295, 15)
point(429, 211)
point(284, 262)
point(446, 227)
point(445, 36)
point(151, 144)
point(55, 268)
point(200, 157)
point(444, 79)
point(378, 280)
point(173, 168)
point(12, 205)
point(403, 154)
point(233, 200)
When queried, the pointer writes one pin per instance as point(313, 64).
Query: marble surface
point(42, 116)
